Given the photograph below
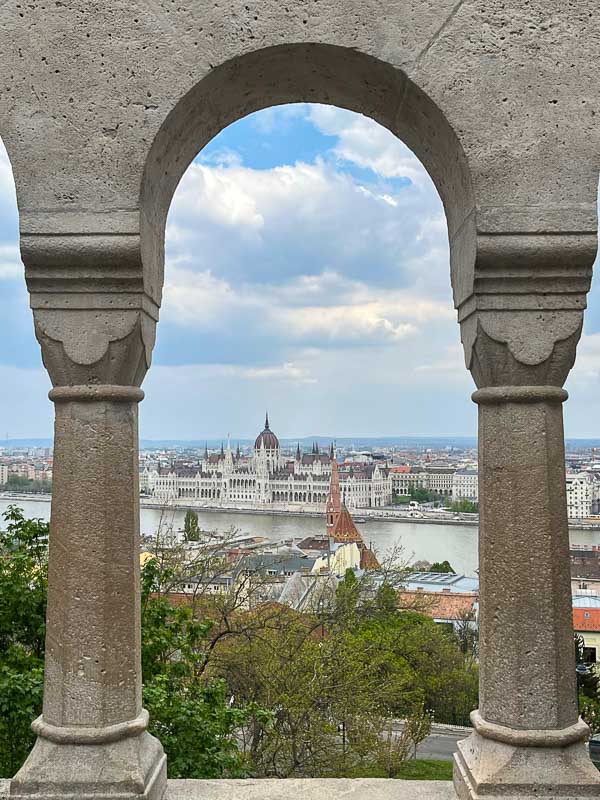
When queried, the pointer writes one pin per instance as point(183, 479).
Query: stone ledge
point(305, 788)
point(311, 789)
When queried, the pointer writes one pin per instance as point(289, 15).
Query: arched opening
point(324, 74)
point(316, 73)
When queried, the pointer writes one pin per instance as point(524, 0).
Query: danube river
point(419, 540)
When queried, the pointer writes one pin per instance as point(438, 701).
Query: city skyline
point(307, 271)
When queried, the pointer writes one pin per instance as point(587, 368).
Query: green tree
point(191, 529)
point(465, 507)
point(23, 591)
point(19, 483)
point(441, 566)
point(190, 714)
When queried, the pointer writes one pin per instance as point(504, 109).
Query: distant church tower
point(333, 506)
point(340, 525)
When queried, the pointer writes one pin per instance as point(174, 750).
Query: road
point(440, 744)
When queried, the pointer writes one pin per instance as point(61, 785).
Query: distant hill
point(306, 442)
point(26, 443)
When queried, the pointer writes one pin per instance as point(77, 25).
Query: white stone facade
point(267, 478)
point(465, 485)
point(581, 495)
point(438, 481)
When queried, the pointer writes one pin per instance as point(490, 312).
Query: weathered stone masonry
point(102, 108)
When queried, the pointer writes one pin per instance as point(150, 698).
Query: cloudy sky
point(307, 273)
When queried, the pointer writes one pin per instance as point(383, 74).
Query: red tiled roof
point(443, 605)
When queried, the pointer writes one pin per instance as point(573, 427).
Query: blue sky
point(307, 273)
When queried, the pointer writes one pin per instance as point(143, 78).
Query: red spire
point(340, 525)
point(334, 498)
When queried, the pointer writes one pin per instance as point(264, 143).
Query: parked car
point(594, 746)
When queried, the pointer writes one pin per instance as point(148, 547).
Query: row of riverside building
point(268, 477)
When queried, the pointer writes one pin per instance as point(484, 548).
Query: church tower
point(340, 526)
point(333, 506)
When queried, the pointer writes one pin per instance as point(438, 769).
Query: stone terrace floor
point(306, 789)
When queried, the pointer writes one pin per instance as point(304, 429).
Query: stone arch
point(80, 182)
point(321, 73)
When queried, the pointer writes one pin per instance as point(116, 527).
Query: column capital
point(95, 309)
point(88, 346)
point(522, 315)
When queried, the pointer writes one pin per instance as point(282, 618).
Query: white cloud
point(323, 307)
point(363, 142)
point(587, 364)
point(301, 224)
point(278, 117)
point(11, 267)
point(453, 363)
point(7, 183)
point(25, 410)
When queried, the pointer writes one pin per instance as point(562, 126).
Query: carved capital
point(95, 313)
point(95, 346)
point(520, 348)
point(522, 319)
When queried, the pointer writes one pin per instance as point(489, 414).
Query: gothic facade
point(268, 477)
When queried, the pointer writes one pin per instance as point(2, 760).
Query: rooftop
point(586, 601)
point(437, 581)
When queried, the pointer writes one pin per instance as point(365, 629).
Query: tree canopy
point(238, 684)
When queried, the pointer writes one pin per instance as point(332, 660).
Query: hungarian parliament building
point(267, 478)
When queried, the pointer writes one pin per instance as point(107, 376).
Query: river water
point(419, 540)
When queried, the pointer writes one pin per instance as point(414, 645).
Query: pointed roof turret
point(237, 451)
point(266, 420)
point(222, 451)
point(206, 450)
point(340, 525)
point(298, 453)
point(333, 506)
point(331, 452)
point(316, 448)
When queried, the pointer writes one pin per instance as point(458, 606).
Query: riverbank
point(413, 540)
point(361, 515)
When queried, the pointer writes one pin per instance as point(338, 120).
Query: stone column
point(520, 327)
point(95, 322)
point(92, 740)
point(527, 739)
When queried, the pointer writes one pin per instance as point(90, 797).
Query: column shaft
point(92, 740)
point(526, 629)
point(93, 636)
point(527, 740)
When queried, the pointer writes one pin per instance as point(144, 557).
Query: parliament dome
point(267, 438)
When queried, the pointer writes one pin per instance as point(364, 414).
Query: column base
point(116, 763)
point(497, 763)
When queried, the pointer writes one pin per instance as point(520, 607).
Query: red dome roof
point(267, 438)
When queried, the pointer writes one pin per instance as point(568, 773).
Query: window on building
point(589, 655)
